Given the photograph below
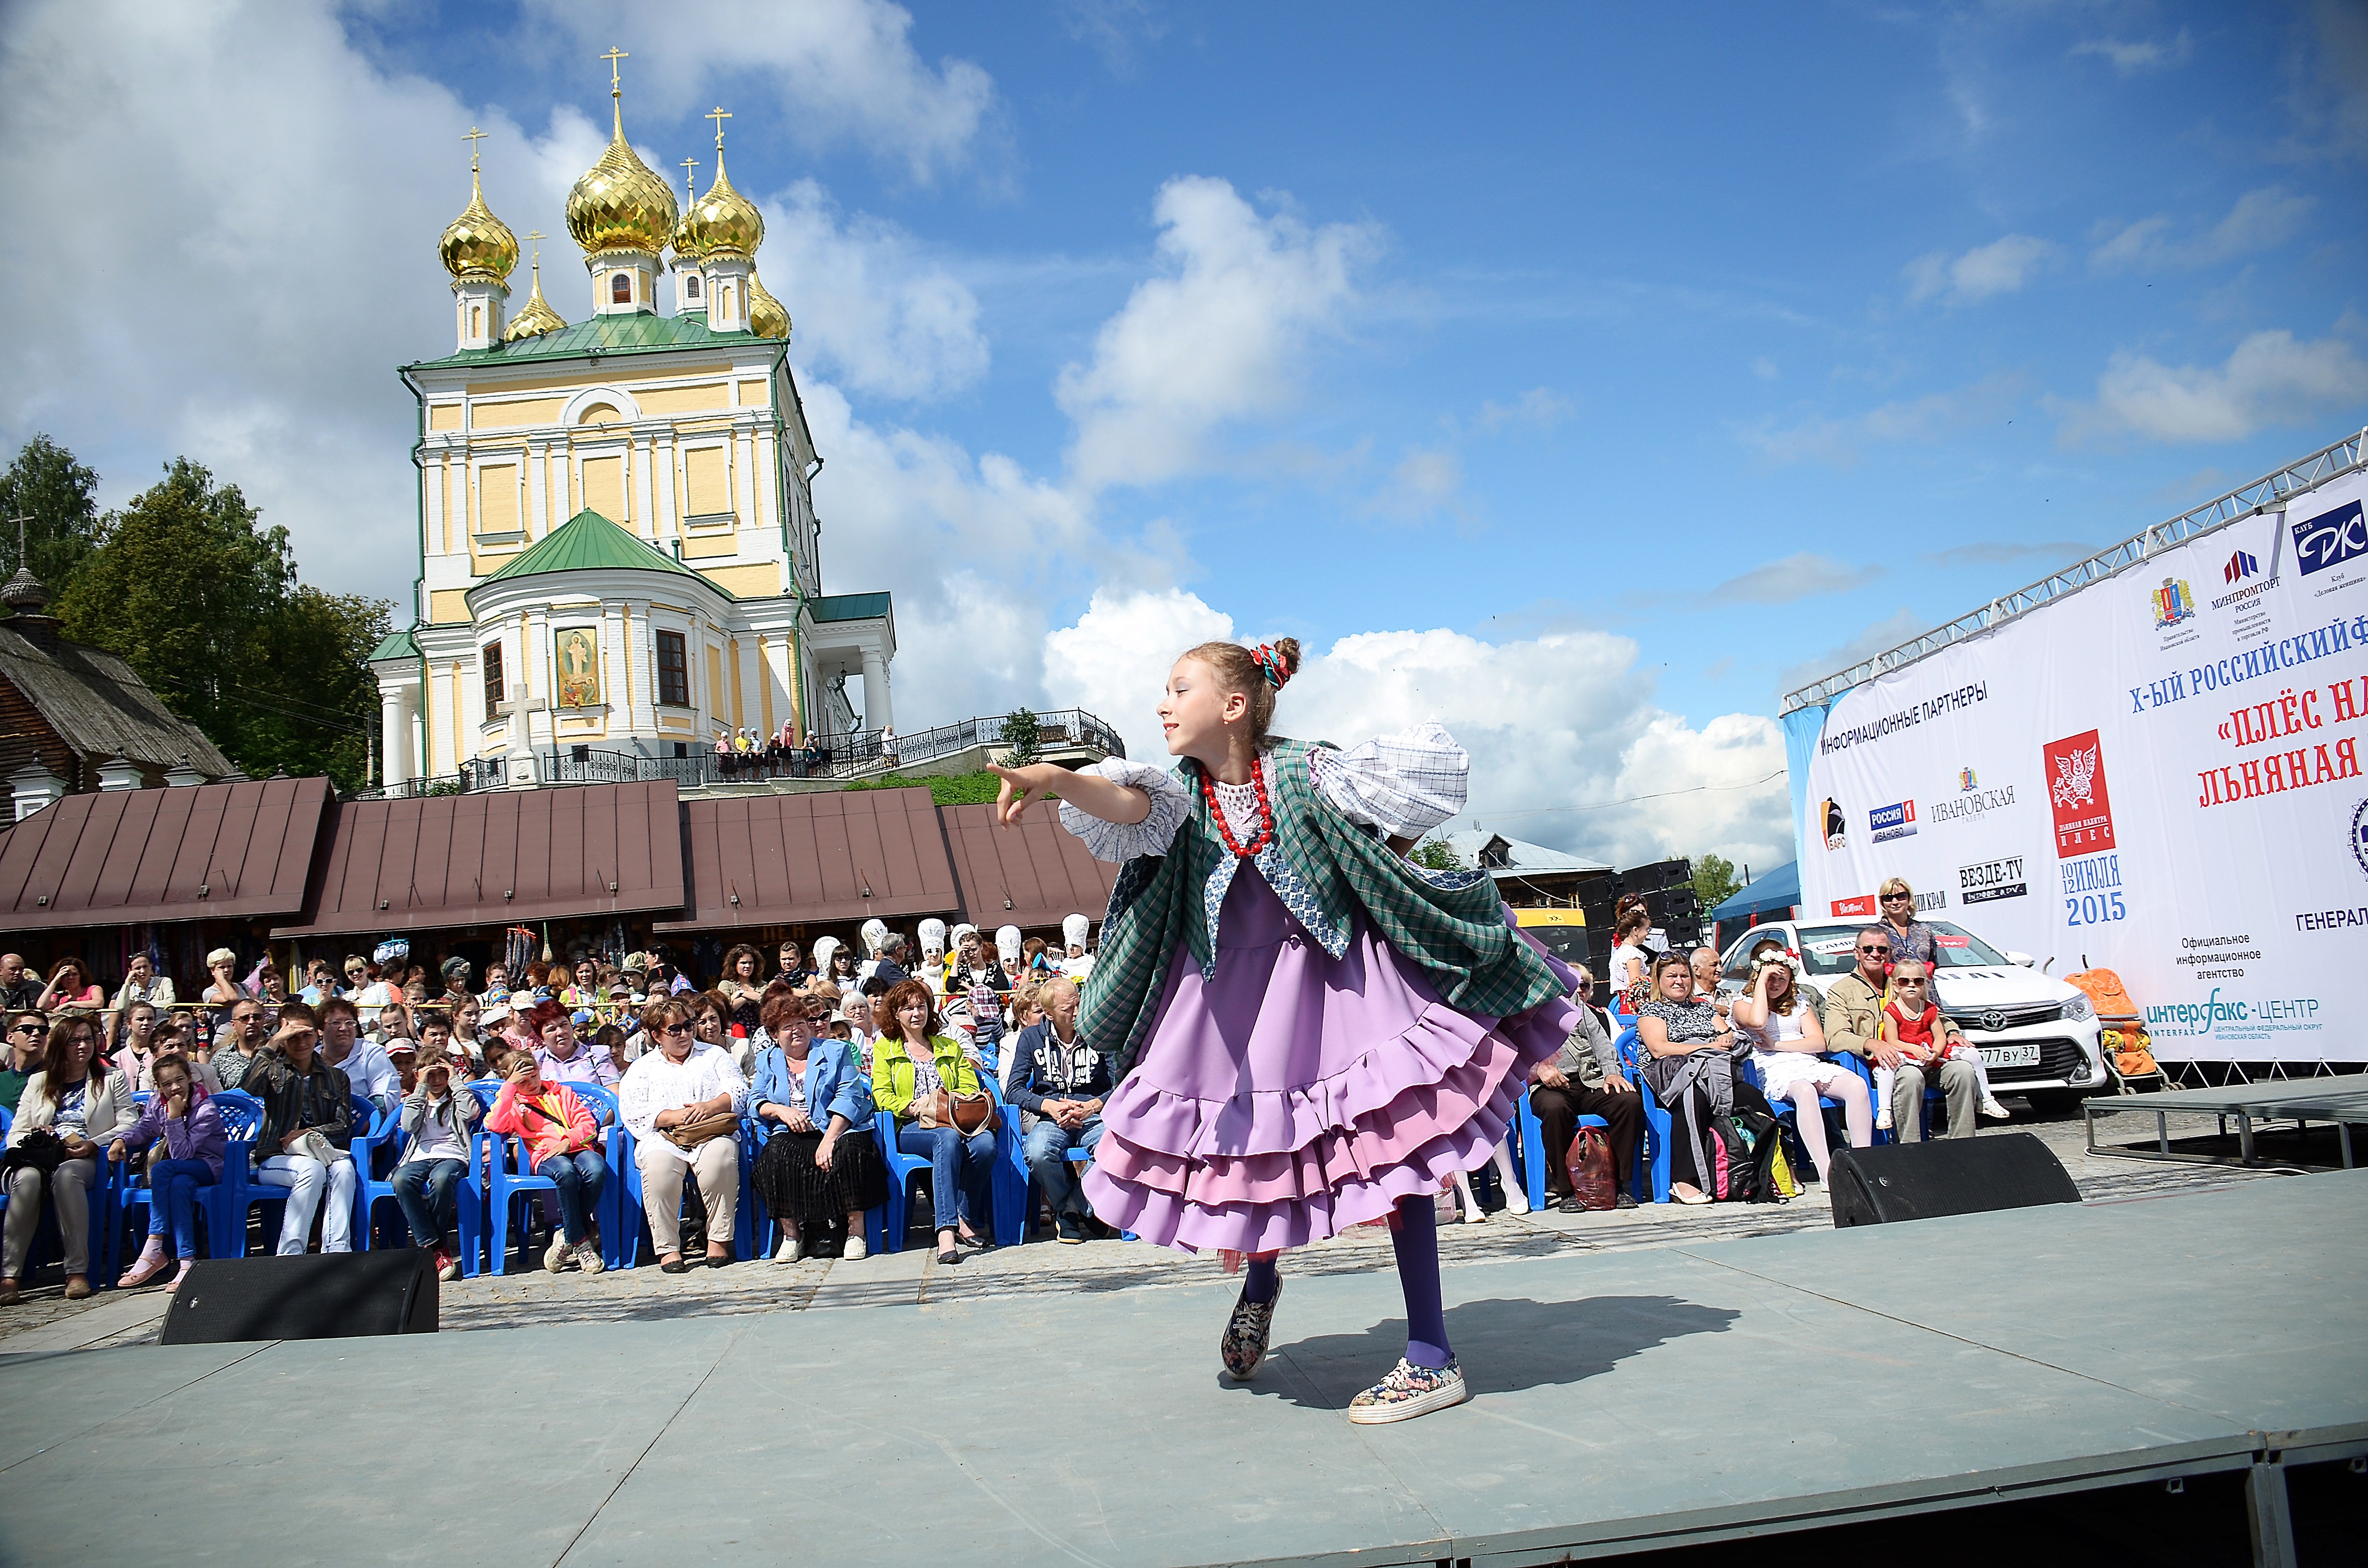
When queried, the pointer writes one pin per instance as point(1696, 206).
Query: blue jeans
point(579, 1178)
point(962, 1166)
point(173, 1201)
point(1046, 1152)
point(424, 1188)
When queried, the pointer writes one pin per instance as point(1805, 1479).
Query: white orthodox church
point(618, 550)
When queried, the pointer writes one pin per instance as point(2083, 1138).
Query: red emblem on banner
point(1865, 903)
point(2074, 769)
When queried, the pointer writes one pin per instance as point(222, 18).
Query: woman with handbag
point(67, 1113)
point(1690, 1064)
point(563, 1141)
point(822, 1161)
point(943, 1113)
point(682, 1104)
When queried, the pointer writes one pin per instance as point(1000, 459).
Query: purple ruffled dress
point(1296, 1094)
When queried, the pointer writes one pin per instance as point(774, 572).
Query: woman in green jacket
point(911, 1067)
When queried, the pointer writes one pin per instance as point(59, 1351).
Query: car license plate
point(2010, 1055)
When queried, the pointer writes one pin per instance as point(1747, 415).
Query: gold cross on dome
point(719, 115)
point(473, 136)
point(615, 84)
point(535, 239)
point(690, 177)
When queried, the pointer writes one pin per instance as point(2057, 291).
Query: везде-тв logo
point(2331, 539)
point(1894, 820)
point(1989, 880)
point(2173, 602)
point(2075, 770)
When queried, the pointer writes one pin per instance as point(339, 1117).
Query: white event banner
point(2160, 774)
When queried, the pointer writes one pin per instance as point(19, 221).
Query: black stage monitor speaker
point(334, 1295)
point(1946, 1175)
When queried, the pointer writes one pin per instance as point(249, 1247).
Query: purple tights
point(1414, 1239)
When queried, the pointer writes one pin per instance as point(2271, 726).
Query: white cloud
point(1426, 481)
point(2268, 379)
point(1804, 574)
point(1215, 339)
point(1879, 638)
point(1116, 28)
point(2138, 56)
point(843, 71)
point(2259, 221)
point(1553, 722)
point(1839, 440)
point(866, 303)
point(1539, 408)
point(2002, 267)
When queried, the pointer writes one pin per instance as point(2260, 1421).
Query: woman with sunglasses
point(1689, 1062)
point(684, 1083)
point(1910, 937)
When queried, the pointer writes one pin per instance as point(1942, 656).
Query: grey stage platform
point(2340, 1100)
point(1970, 1358)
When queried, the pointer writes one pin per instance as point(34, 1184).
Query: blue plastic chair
point(510, 1172)
point(901, 1168)
point(1653, 1152)
point(631, 1224)
point(241, 1188)
point(756, 1132)
point(384, 1132)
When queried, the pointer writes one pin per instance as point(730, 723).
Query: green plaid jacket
point(1327, 870)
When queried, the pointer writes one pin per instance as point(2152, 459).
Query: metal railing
point(2243, 502)
point(1057, 730)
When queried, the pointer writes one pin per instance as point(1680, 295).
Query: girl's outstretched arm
point(1089, 792)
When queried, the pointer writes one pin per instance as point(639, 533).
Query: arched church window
point(691, 285)
point(621, 288)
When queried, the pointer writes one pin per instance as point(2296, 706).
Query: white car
point(2037, 1036)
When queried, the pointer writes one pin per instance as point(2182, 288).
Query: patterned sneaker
point(1244, 1345)
point(1409, 1391)
point(588, 1255)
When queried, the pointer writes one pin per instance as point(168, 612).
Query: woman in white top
point(1629, 959)
point(1789, 1044)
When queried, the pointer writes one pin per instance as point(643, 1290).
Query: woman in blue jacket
point(821, 1161)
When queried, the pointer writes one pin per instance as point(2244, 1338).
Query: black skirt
point(793, 1188)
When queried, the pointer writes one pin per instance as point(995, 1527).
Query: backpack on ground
point(1731, 1168)
point(1762, 1151)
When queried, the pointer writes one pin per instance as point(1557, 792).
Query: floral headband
point(1270, 666)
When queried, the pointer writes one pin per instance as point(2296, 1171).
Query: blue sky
point(1581, 376)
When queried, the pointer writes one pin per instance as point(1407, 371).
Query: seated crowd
point(803, 1058)
point(803, 1054)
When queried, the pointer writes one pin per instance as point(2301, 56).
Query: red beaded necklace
point(1265, 835)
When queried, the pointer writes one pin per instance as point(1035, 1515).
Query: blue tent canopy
point(1780, 889)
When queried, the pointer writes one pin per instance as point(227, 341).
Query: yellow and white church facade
point(619, 550)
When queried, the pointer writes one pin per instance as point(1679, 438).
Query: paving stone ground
point(46, 1321)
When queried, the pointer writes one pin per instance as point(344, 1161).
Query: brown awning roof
point(1025, 876)
point(497, 856)
point(207, 852)
point(779, 860)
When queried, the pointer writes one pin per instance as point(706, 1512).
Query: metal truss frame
point(2266, 493)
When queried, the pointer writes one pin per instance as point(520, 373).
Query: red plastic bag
point(1590, 1162)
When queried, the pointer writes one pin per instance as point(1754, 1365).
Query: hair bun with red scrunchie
point(1271, 666)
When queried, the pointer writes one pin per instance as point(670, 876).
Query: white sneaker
point(855, 1251)
point(1475, 1215)
point(1995, 1111)
point(1883, 1119)
point(587, 1256)
point(555, 1256)
point(1516, 1202)
point(791, 1249)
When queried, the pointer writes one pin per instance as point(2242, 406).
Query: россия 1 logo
point(1894, 820)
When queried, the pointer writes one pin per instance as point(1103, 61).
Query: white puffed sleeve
point(1171, 802)
point(1403, 784)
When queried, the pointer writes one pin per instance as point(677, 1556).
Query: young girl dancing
point(1308, 1031)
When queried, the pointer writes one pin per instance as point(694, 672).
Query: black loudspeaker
point(1946, 1175)
point(332, 1295)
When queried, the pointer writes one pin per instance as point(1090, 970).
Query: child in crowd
point(1911, 1019)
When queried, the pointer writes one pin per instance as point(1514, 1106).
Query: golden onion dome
point(722, 220)
point(537, 318)
point(477, 242)
point(620, 204)
point(766, 316)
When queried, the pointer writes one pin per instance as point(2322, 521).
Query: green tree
point(1024, 735)
point(202, 601)
point(1714, 881)
point(1437, 855)
point(57, 495)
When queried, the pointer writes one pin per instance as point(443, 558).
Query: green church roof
point(590, 542)
point(397, 645)
point(635, 333)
